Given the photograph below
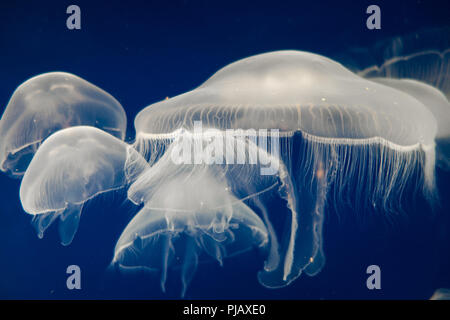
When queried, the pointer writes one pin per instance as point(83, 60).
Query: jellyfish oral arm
point(301, 247)
point(69, 218)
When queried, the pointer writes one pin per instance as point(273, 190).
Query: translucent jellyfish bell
point(337, 130)
point(188, 213)
point(47, 103)
point(72, 166)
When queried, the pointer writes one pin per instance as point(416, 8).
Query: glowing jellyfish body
point(47, 103)
point(72, 166)
point(363, 138)
point(189, 210)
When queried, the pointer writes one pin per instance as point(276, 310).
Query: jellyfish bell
point(268, 90)
point(192, 214)
point(241, 167)
point(47, 103)
point(439, 106)
point(72, 166)
point(358, 137)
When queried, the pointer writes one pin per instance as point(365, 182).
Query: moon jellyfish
point(340, 135)
point(47, 103)
point(191, 211)
point(429, 66)
point(72, 166)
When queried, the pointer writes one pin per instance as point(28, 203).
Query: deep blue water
point(141, 52)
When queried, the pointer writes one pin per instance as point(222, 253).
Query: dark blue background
point(143, 51)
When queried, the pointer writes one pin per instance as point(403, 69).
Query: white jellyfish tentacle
point(308, 219)
point(68, 223)
point(168, 251)
point(317, 260)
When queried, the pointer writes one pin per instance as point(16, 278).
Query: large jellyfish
point(193, 210)
point(339, 133)
point(47, 103)
point(72, 166)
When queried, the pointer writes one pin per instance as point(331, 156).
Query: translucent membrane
point(47, 103)
point(72, 166)
point(360, 140)
point(193, 210)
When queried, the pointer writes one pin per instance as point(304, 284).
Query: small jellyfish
point(47, 103)
point(429, 66)
point(422, 55)
point(72, 166)
point(339, 134)
point(190, 212)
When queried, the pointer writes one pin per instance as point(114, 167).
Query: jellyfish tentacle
point(305, 250)
point(301, 248)
point(273, 258)
point(190, 264)
point(68, 223)
point(42, 221)
point(167, 253)
point(317, 260)
point(213, 248)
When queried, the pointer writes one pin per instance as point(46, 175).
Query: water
point(144, 52)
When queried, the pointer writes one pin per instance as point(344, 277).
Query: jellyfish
point(47, 103)
point(429, 66)
point(191, 211)
point(72, 166)
point(339, 134)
